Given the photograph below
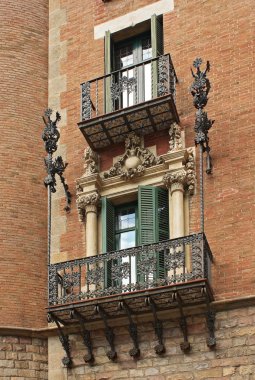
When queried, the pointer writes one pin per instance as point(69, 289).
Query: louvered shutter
point(157, 46)
point(108, 68)
point(153, 221)
point(108, 235)
point(147, 215)
point(163, 228)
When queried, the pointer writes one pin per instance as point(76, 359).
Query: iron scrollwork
point(163, 75)
point(86, 101)
point(199, 90)
point(124, 84)
point(54, 166)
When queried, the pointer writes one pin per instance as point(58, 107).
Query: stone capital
point(175, 181)
point(87, 203)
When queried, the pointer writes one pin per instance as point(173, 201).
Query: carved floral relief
point(134, 161)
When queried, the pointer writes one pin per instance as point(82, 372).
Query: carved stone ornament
point(87, 203)
point(183, 179)
point(175, 180)
point(175, 141)
point(134, 161)
point(91, 162)
point(190, 169)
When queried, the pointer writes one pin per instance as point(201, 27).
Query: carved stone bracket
point(134, 161)
point(64, 340)
point(109, 334)
point(135, 351)
point(175, 141)
point(158, 327)
point(91, 159)
point(87, 203)
point(89, 358)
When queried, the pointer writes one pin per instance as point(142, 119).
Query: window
point(138, 83)
point(144, 222)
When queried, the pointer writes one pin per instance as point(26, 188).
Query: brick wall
point(23, 206)
point(23, 358)
point(218, 32)
point(233, 358)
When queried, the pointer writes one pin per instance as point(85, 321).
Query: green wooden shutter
point(163, 228)
point(108, 235)
point(147, 228)
point(108, 69)
point(157, 46)
point(153, 225)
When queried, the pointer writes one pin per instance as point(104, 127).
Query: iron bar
point(201, 187)
point(49, 224)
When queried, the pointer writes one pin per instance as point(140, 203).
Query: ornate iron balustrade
point(111, 273)
point(128, 86)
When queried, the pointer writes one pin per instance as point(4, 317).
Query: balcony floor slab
point(143, 118)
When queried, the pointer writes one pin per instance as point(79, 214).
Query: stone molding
point(91, 159)
point(175, 141)
point(134, 161)
point(87, 203)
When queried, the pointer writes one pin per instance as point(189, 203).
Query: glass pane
point(126, 219)
point(124, 56)
point(127, 239)
point(147, 82)
point(147, 50)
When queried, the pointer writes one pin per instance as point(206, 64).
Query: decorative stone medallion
point(134, 161)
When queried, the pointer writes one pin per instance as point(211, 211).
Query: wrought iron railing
point(183, 259)
point(128, 86)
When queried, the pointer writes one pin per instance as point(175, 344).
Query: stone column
point(175, 183)
point(87, 208)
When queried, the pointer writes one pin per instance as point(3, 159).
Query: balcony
point(107, 280)
point(139, 98)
